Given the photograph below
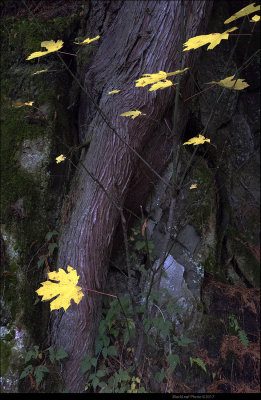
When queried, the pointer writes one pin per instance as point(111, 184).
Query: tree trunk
point(137, 37)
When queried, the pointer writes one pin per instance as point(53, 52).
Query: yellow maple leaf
point(213, 38)
point(160, 85)
point(19, 104)
point(50, 45)
point(60, 159)
point(88, 40)
point(197, 140)
point(229, 83)
point(113, 91)
point(150, 78)
point(65, 287)
point(255, 18)
point(132, 114)
point(179, 71)
point(193, 186)
point(244, 11)
point(40, 72)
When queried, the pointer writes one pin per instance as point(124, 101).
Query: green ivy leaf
point(52, 355)
point(100, 373)
point(183, 341)
point(106, 340)
point(173, 360)
point(95, 382)
point(40, 262)
point(105, 352)
point(32, 354)
point(139, 245)
point(61, 354)
point(243, 337)
point(112, 351)
point(86, 364)
point(51, 247)
point(159, 376)
point(98, 345)
point(26, 371)
point(49, 235)
point(39, 374)
point(94, 361)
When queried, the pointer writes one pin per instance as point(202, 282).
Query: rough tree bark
point(136, 37)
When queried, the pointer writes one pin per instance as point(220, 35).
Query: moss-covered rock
point(32, 185)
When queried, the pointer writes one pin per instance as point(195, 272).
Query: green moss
point(210, 263)
point(244, 255)
point(6, 351)
point(49, 91)
point(202, 200)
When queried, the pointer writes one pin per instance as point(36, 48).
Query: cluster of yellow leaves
point(158, 81)
point(51, 47)
point(65, 288)
point(66, 283)
point(230, 83)
point(215, 38)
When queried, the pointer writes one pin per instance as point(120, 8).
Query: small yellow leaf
point(65, 287)
point(213, 38)
point(229, 83)
point(197, 140)
point(193, 186)
point(241, 13)
point(255, 18)
point(114, 91)
point(60, 159)
point(132, 114)
point(19, 104)
point(50, 45)
point(137, 380)
point(160, 85)
point(40, 72)
point(88, 40)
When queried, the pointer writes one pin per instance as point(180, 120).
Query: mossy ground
point(48, 118)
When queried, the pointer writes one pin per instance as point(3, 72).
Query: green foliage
point(173, 360)
point(39, 374)
point(49, 235)
point(199, 362)
point(243, 337)
point(159, 376)
point(32, 354)
point(37, 369)
point(233, 323)
point(49, 247)
point(182, 341)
